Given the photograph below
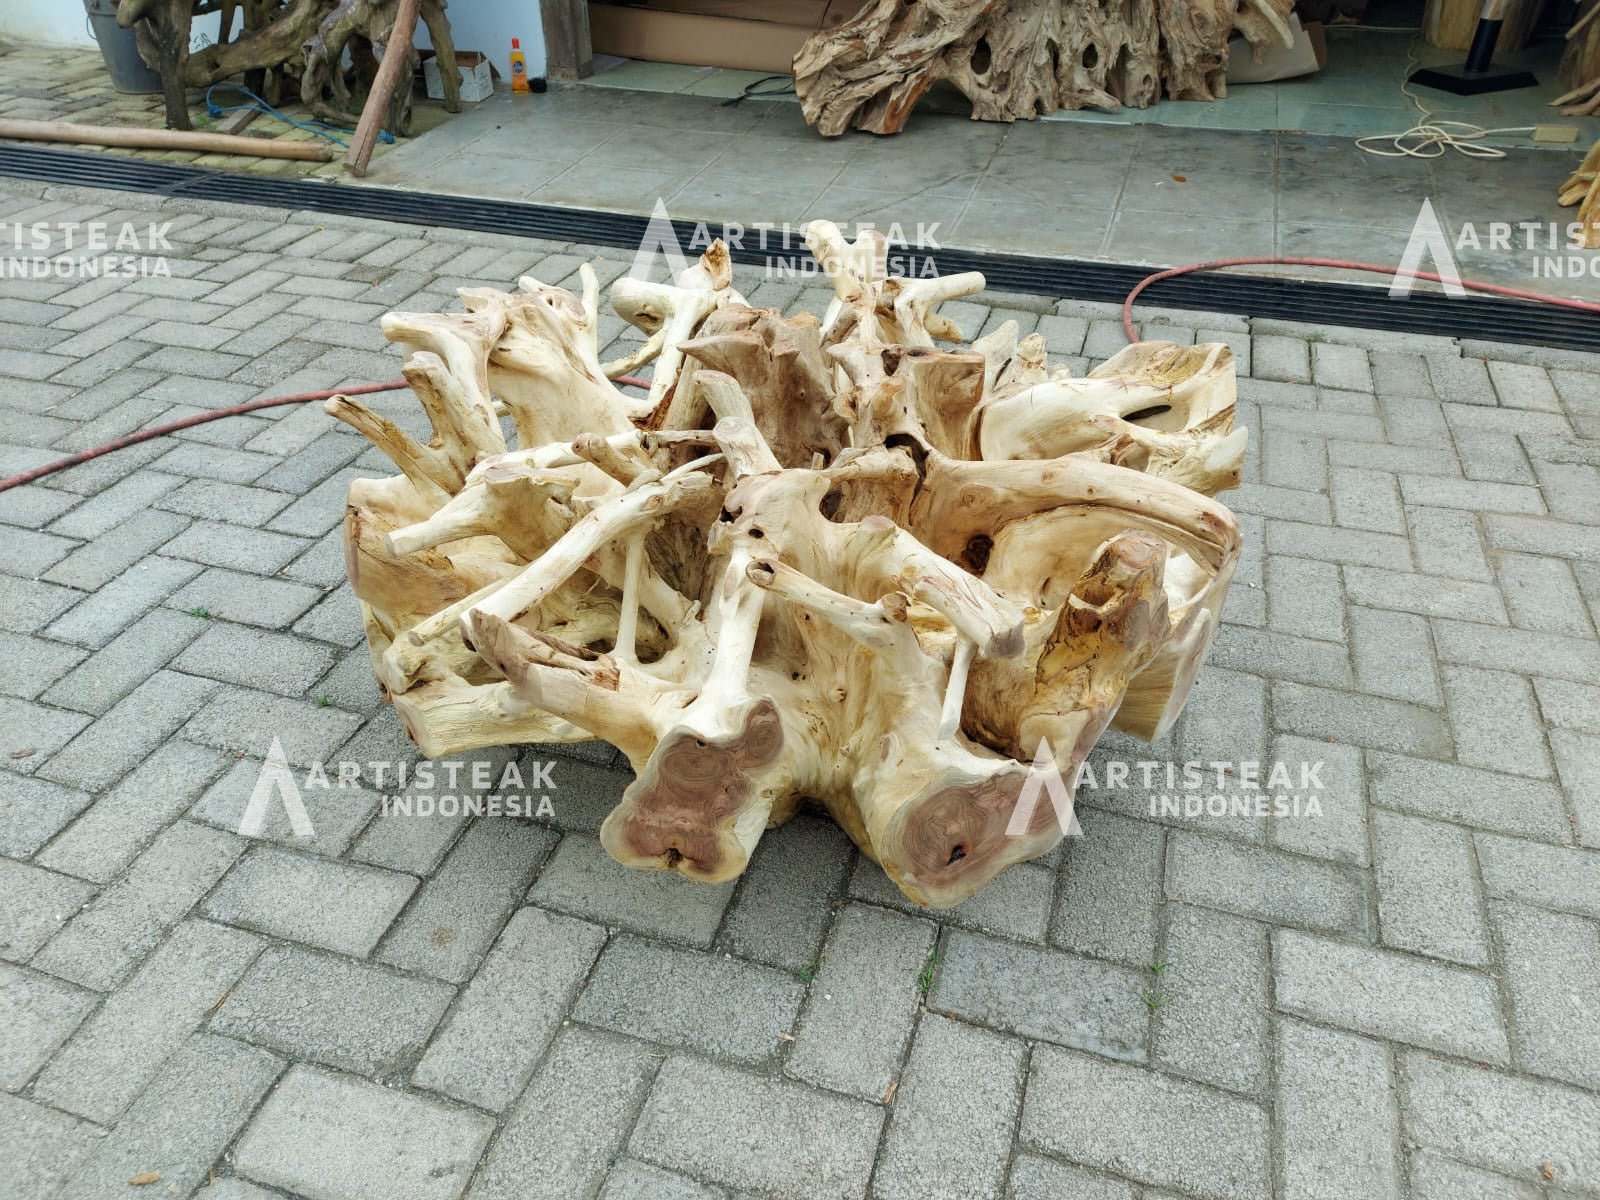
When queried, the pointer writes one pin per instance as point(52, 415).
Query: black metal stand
point(1474, 77)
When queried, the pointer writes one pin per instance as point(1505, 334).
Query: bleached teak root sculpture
point(820, 560)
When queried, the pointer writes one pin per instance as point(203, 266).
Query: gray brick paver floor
point(1393, 1001)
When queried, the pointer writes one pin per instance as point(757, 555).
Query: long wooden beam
point(396, 62)
point(21, 130)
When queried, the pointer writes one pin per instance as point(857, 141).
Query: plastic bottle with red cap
point(519, 67)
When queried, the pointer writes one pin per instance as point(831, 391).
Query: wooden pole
point(21, 130)
point(1451, 24)
point(567, 46)
point(396, 58)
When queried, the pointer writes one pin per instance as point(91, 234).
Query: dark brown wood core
point(680, 807)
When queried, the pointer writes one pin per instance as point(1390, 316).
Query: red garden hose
point(200, 418)
point(145, 435)
point(215, 414)
point(1342, 264)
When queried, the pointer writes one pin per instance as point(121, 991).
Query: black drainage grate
point(1313, 302)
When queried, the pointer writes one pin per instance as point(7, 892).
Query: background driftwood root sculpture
point(1580, 68)
point(820, 560)
point(1018, 59)
point(1580, 65)
point(1583, 190)
point(288, 49)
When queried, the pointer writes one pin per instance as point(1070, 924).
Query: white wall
point(62, 23)
point(489, 26)
point(51, 22)
point(486, 25)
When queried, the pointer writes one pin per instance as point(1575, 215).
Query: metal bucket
point(119, 48)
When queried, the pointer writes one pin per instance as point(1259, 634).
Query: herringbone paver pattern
point(1398, 999)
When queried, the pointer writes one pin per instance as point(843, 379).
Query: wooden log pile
point(324, 53)
point(1019, 59)
point(821, 560)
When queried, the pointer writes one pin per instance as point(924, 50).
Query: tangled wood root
point(822, 560)
point(1019, 59)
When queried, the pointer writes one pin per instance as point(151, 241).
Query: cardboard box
point(808, 13)
point(748, 35)
point(477, 75)
point(692, 38)
point(1307, 56)
point(1323, 12)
